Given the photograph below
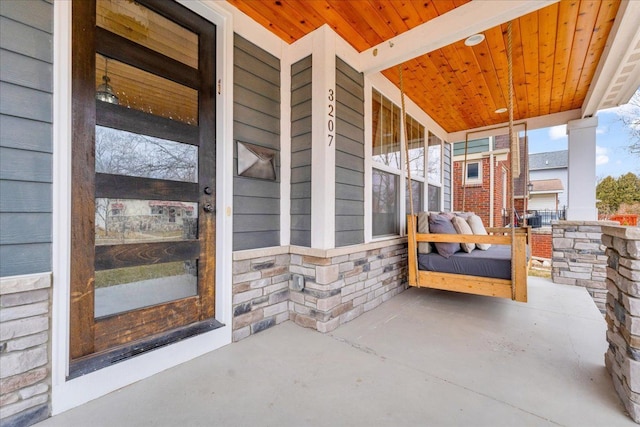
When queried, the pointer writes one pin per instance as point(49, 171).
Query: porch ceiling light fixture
point(474, 40)
point(501, 110)
point(104, 91)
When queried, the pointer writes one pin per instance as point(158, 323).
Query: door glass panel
point(148, 92)
point(120, 221)
point(124, 289)
point(135, 22)
point(124, 153)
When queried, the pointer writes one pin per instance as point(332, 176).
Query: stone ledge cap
point(621, 231)
point(24, 283)
point(570, 223)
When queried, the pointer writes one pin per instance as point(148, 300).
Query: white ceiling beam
point(617, 76)
point(538, 122)
point(462, 22)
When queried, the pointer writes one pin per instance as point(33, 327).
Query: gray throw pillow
point(439, 224)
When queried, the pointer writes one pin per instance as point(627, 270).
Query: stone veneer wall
point(623, 313)
point(579, 258)
point(340, 288)
point(260, 290)
point(340, 284)
point(24, 349)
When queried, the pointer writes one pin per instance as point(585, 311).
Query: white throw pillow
point(423, 228)
point(475, 222)
point(462, 227)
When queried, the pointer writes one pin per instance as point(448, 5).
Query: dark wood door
point(143, 170)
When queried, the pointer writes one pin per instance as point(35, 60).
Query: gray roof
point(549, 160)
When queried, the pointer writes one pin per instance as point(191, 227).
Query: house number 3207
point(331, 116)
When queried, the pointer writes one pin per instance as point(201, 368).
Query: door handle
point(208, 208)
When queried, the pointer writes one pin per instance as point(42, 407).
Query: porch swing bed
point(501, 271)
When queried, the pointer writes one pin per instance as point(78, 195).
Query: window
point(387, 166)
point(385, 203)
point(474, 173)
point(386, 132)
point(434, 173)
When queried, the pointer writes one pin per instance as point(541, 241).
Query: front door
point(143, 178)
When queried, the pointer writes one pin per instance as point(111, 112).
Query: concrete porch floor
point(425, 357)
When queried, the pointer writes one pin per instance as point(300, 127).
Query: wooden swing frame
point(517, 237)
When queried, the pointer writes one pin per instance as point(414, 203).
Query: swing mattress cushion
point(494, 262)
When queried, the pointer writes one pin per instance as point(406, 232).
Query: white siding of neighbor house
point(542, 201)
point(560, 174)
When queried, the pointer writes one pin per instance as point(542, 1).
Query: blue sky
point(612, 144)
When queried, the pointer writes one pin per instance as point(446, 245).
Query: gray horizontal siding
point(20, 196)
point(447, 177)
point(349, 155)
point(301, 152)
point(26, 140)
point(256, 112)
point(473, 146)
point(25, 259)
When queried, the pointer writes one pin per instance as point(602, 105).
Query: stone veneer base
point(339, 284)
point(25, 371)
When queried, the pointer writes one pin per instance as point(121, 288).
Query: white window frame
point(400, 173)
point(430, 181)
point(474, 181)
point(422, 179)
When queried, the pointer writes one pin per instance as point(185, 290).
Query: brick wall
point(623, 313)
point(477, 196)
point(24, 349)
point(339, 284)
point(541, 243)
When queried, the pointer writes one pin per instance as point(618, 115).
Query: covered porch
point(425, 357)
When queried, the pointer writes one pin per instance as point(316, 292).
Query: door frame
point(69, 393)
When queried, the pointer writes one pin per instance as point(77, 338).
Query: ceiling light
point(104, 92)
point(501, 110)
point(474, 40)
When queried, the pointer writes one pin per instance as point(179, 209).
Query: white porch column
point(323, 144)
point(582, 170)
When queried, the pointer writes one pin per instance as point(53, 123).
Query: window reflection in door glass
point(124, 153)
point(120, 221)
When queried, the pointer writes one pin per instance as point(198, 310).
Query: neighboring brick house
point(486, 189)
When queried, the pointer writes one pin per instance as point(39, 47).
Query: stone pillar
point(582, 170)
point(623, 313)
point(579, 258)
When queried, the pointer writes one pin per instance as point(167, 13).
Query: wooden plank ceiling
point(555, 53)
